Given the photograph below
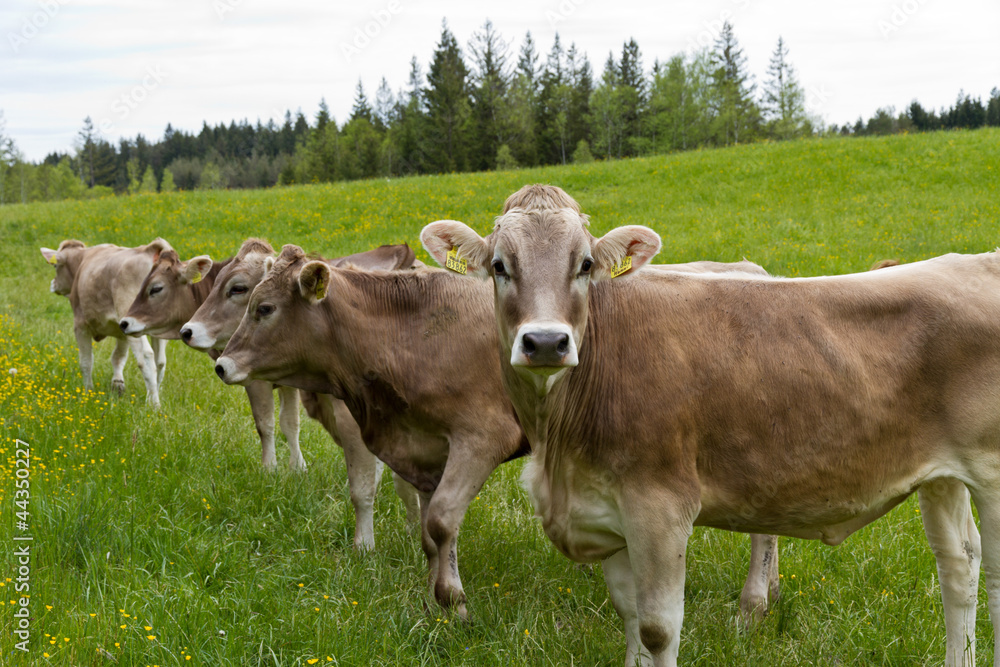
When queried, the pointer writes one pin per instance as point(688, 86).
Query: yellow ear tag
point(456, 263)
point(622, 266)
point(196, 279)
point(320, 289)
point(53, 260)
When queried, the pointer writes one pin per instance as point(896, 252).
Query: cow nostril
point(124, 325)
point(220, 371)
point(562, 347)
point(528, 344)
point(186, 334)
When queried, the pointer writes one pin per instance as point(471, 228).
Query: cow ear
point(454, 245)
point(195, 269)
point(50, 255)
point(624, 250)
point(314, 279)
point(157, 246)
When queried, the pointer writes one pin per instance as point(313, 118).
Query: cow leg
point(363, 469)
point(118, 357)
point(409, 495)
point(262, 408)
point(657, 528)
point(621, 587)
point(288, 419)
point(85, 349)
point(462, 479)
point(159, 346)
point(951, 532)
point(987, 501)
point(762, 585)
point(143, 353)
point(363, 472)
point(428, 544)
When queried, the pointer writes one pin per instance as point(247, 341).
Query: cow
point(365, 337)
point(100, 282)
point(808, 407)
point(175, 292)
point(762, 587)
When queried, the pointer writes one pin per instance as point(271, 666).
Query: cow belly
point(579, 509)
point(824, 516)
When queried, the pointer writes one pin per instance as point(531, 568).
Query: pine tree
point(408, 136)
point(527, 62)
point(633, 97)
point(993, 109)
point(361, 108)
point(86, 151)
point(384, 105)
point(447, 97)
point(581, 79)
point(522, 103)
point(784, 99)
point(323, 115)
point(736, 114)
point(8, 156)
point(607, 112)
point(553, 107)
point(490, 80)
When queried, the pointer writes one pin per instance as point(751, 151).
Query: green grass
point(164, 519)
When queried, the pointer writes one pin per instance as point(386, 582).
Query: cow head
point(542, 262)
point(65, 260)
point(165, 300)
point(272, 341)
point(217, 318)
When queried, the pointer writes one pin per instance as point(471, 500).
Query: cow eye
point(155, 289)
point(264, 309)
point(237, 289)
point(587, 265)
point(498, 268)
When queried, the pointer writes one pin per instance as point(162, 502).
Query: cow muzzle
point(131, 326)
point(196, 335)
point(228, 371)
point(544, 348)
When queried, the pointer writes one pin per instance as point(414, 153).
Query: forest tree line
point(486, 107)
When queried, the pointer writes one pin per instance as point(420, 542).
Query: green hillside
point(160, 541)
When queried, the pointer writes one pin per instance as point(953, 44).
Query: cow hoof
point(298, 466)
point(118, 386)
point(753, 615)
point(460, 612)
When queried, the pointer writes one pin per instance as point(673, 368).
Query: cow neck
point(389, 325)
point(578, 410)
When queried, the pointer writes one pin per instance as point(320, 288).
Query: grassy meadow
point(160, 541)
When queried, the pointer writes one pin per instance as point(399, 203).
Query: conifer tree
point(447, 98)
point(490, 81)
point(784, 99)
point(736, 114)
point(361, 108)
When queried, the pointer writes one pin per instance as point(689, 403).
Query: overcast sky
point(134, 66)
